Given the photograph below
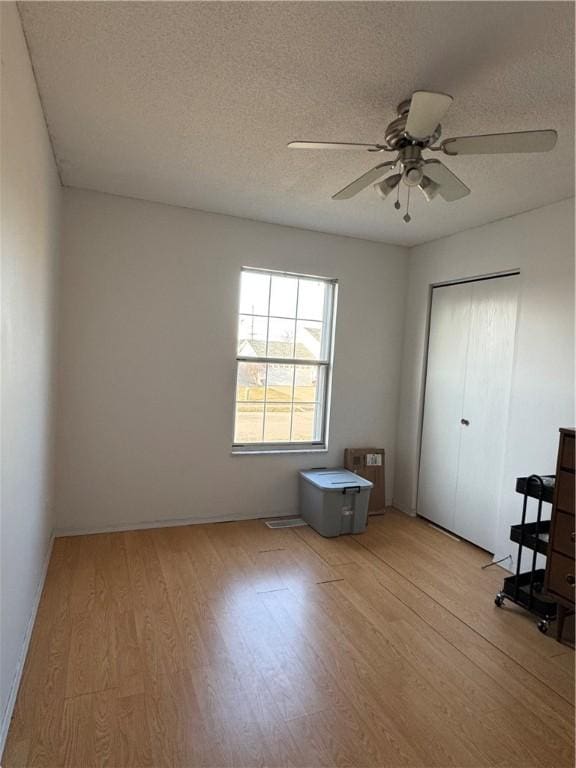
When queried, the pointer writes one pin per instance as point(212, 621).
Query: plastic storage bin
point(334, 501)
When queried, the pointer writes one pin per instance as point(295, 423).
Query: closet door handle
point(465, 422)
point(570, 579)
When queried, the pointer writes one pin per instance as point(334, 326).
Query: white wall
point(541, 244)
point(148, 322)
point(29, 217)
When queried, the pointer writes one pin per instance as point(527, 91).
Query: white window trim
point(329, 321)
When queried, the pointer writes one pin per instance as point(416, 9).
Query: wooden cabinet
point(560, 581)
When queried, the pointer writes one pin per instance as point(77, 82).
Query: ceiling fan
point(416, 129)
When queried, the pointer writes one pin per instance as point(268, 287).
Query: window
point(284, 360)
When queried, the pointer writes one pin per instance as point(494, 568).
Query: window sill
point(276, 451)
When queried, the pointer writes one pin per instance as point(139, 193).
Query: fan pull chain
point(407, 216)
point(397, 203)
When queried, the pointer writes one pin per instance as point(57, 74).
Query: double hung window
point(284, 361)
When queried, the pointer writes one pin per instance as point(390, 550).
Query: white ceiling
point(193, 103)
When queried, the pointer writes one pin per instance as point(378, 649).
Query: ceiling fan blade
point(363, 181)
point(449, 185)
point(499, 143)
point(334, 145)
point(426, 111)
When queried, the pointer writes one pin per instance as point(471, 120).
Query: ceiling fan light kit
point(428, 188)
point(416, 129)
point(388, 185)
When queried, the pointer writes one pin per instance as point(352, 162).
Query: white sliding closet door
point(469, 372)
point(444, 402)
point(486, 399)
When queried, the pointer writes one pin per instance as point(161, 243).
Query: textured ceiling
point(193, 103)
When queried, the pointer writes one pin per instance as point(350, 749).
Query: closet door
point(486, 400)
point(469, 371)
point(444, 402)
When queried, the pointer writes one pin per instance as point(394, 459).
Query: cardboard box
point(369, 463)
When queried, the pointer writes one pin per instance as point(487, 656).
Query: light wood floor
point(237, 645)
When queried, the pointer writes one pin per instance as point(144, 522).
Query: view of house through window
point(284, 357)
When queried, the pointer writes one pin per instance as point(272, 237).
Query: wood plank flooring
point(236, 645)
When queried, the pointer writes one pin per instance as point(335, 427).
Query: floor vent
point(293, 522)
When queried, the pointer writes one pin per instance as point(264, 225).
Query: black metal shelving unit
point(525, 589)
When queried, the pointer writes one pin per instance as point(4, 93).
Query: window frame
point(327, 363)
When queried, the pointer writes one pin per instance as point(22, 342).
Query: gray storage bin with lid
point(334, 501)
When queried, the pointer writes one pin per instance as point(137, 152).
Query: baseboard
point(7, 716)
point(399, 508)
point(170, 523)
